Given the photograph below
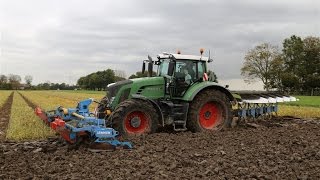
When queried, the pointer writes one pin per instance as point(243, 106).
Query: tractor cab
point(180, 71)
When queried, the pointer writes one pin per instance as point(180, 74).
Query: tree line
point(94, 81)
point(13, 81)
point(295, 68)
point(100, 79)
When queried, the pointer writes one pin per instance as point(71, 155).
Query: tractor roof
point(184, 57)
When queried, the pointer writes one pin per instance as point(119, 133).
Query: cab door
point(184, 76)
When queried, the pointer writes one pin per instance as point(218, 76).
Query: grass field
point(309, 101)
point(3, 96)
point(51, 99)
point(306, 107)
point(299, 111)
point(24, 124)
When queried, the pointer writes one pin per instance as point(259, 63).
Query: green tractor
point(180, 95)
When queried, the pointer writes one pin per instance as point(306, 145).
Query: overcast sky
point(62, 40)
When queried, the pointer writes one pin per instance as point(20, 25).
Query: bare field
point(277, 149)
point(280, 148)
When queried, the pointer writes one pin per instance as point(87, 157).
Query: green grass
point(24, 124)
point(4, 94)
point(306, 107)
point(306, 101)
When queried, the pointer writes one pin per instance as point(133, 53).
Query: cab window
point(163, 68)
point(201, 69)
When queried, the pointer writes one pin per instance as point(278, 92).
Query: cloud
point(63, 40)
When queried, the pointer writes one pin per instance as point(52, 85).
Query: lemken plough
point(79, 124)
point(258, 104)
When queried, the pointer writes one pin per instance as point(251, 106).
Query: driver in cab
point(187, 77)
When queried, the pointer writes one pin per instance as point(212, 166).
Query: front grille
point(113, 89)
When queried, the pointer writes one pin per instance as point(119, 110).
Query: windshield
point(163, 67)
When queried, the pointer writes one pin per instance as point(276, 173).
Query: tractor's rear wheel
point(210, 110)
point(135, 117)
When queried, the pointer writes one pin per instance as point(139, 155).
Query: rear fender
point(154, 104)
point(197, 88)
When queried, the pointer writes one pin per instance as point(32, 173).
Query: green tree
point(83, 82)
point(276, 72)
point(109, 77)
point(97, 80)
point(293, 56)
point(302, 63)
point(289, 82)
point(311, 47)
point(258, 64)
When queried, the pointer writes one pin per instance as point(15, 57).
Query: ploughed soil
point(5, 112)
point(282, 148)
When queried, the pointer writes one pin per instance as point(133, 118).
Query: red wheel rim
point(209, 115)
point(136, 123)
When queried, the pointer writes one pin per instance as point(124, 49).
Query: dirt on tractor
point(282, 148)
point(5, 112)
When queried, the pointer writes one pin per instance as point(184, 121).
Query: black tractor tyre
point(102, 107)
point(210, 110)
point(135, 117)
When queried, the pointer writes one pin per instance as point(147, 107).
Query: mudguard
point(198, 87)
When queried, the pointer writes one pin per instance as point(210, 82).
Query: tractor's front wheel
point(210, 110)
point(135, 117)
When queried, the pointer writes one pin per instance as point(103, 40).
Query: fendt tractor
point(181, 95)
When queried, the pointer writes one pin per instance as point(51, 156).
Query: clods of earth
point(277, 149)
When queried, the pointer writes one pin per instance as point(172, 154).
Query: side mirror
point(171, 68)
point(143, 67)
point(150, 68)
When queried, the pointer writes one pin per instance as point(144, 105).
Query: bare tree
point(3, 79)
point(28, 79)
point(120, 73)
point(258, 64)
point(14, 80)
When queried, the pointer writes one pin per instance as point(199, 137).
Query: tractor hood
point(113, 88)
point(150, 87)
point(149, 80)
point(145, 81)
